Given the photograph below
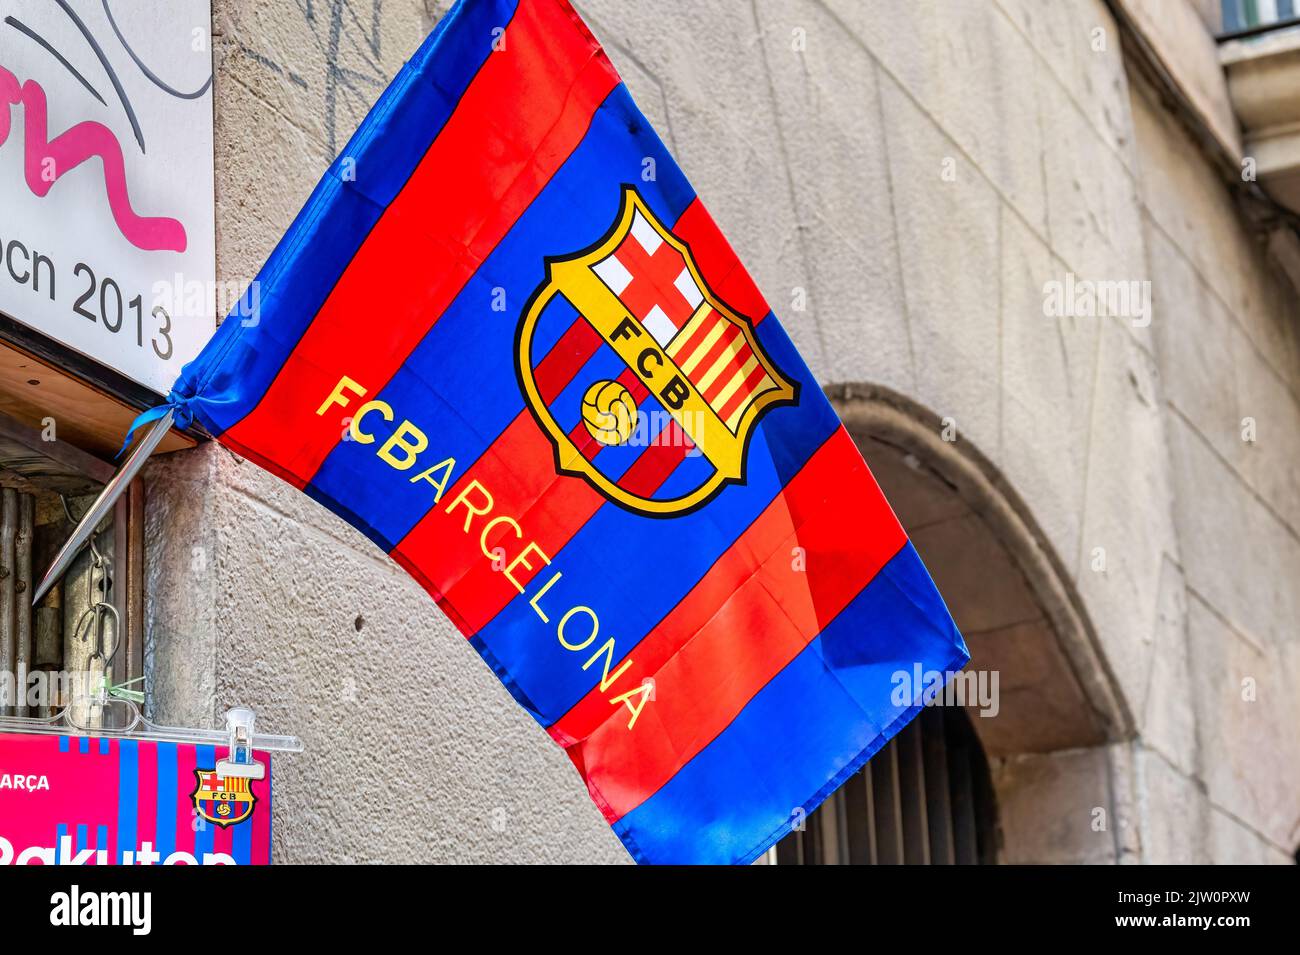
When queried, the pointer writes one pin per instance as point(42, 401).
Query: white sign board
point(106, 182)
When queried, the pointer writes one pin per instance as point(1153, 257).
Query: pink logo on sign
point(47, 160)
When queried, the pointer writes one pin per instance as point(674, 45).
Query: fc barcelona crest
point(648, 385)
point(224, 800)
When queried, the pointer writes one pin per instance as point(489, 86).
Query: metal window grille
point(925, 798)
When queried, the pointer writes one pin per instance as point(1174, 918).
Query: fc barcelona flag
point(505, 340)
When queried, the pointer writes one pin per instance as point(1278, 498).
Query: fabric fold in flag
point(505, 340)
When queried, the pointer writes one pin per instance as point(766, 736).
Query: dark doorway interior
point(926, 798)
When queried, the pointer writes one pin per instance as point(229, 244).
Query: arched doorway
point(978, 783)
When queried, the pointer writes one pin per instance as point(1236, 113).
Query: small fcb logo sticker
point(648, 385)
point(223, 800)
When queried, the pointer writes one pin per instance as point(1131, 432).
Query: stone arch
point(1059, 703)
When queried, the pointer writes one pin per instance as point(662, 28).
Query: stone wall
point(918, 173)
point(258, 595)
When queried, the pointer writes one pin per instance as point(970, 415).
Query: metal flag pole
point(120, 481)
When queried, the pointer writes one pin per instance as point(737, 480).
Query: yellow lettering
point(487, 529)
point(338, 398)
point(471, 510)
point(541, 593)
point(645, 689)
point(427, 475)
point(411, 448)
point(608, 650)
point(401, 451)
point(532, 548)
point(595, 628)
point(385, 412)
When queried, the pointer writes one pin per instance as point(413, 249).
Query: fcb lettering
point(520, 566)
point(542, 382)
point(684, 351)
point(223, 800)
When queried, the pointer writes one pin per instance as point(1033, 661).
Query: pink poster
point(75, 800)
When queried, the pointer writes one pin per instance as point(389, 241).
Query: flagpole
point(120, 481)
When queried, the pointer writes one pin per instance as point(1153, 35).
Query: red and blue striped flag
point(505, 340)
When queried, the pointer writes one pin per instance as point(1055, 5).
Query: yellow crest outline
point(573, 277)
point(248, 799)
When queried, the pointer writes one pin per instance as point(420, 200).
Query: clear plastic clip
point(240, 762)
